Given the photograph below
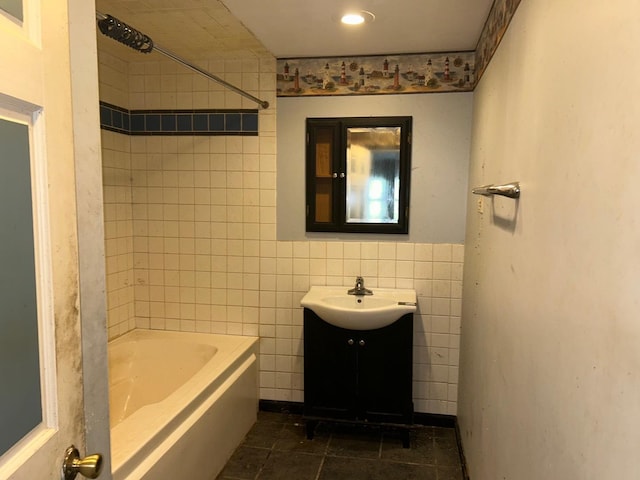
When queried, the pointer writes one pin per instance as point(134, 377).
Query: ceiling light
point(357, 18)
point(352, 19)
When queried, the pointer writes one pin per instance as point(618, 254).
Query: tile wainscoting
point(191, 242)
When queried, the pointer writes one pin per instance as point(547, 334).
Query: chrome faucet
point(359, 288)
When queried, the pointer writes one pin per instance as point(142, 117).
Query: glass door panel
point(21, 401)
point(13, 8)
point(324, 174)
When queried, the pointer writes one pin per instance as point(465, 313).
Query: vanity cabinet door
point(363, 375)
point(329, 370)
point(385, 364)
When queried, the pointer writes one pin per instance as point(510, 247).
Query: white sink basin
point(359, 312)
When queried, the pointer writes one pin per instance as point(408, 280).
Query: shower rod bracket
point(133, 38)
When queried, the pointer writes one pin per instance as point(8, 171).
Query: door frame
point(90, 214)
point(55, 81)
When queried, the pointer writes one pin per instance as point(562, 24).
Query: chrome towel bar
point(511, 190)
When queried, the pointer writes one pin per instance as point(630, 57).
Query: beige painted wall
point(550, 370)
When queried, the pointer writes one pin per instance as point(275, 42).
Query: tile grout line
point(324, 453)
point(317, 477)
point(271, 450)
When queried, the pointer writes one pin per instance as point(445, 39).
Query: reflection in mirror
point(373, 175)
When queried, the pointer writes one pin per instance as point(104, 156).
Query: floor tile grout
point(289, 449)
point(320, 468)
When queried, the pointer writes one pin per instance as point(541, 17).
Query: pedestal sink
point(359, 312)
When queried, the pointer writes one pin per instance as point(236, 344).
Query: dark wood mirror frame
point(335, 175)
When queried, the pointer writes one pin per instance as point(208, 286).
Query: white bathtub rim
point(150, 423)
point(135, 358)
point(152, 426)
point(145, 458)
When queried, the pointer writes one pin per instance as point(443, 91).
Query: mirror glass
point(373, 175)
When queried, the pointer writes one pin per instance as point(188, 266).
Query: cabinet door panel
point(385, 373)
point(358, 375)
point(323, 183)
point(329, 369)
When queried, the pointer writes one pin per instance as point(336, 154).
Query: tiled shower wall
point(202, 212)
point(116, 173)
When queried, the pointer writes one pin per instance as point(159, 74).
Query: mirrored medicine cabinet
point(358, 174)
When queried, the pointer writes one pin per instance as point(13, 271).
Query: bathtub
point(180, 403)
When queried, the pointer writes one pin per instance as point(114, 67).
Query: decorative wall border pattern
point(394, 74)
point(178, 122)
point(496, 25)
point(376, 75)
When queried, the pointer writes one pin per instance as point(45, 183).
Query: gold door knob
point(89, 466)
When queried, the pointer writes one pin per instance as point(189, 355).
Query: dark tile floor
point(276, 448)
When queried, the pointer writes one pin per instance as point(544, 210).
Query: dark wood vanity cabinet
point(357, 375)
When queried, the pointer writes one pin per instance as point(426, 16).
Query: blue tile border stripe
point(179, 122)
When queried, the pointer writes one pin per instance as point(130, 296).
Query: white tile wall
point(435, 271)
point(118, 217)
point(168, 85)
point(204, 248)
point(116, 170)
point(114, 79)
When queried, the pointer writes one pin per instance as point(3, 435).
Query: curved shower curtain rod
point(129, 36)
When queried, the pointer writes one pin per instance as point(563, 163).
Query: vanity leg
point(406, 438)
point(311, 426)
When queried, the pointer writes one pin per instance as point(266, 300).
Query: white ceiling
point(192, 29)
point(306, 28)
point(197, 29)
